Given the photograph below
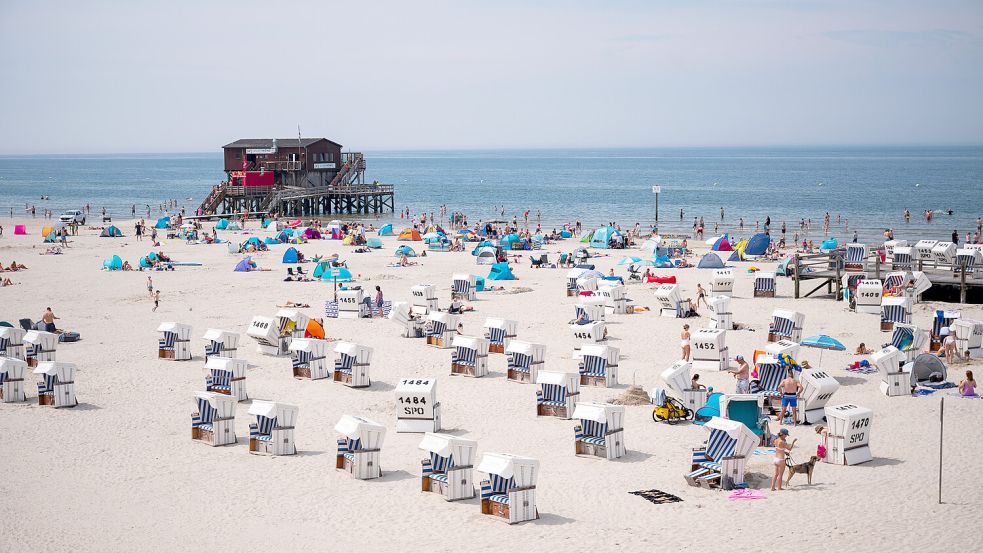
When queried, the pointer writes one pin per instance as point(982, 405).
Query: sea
point(864, 189)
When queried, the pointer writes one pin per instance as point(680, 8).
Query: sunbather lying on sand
point(293, 304)
point(458, 307)
point(6, 282)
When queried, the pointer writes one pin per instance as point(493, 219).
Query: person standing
point(955, 237)
point(138, 228)
point(701, 295)
point(782, 449)
point(150, 286)
point(156, 300)
point(790, 389)
point(742, 373)
point(684, 338)
point(48, 318)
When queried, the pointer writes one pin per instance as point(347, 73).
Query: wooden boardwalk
point(828, 270)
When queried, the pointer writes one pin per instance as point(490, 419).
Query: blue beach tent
point(222, 224)
point(500, 271)
point(710, 261)
point(145, 260)
point(283, 236)
point(408, 251)
point(163, 222)
point(114, 263)
point(757, 244)
point(111, 232)
point(245, 265)
point(601, 238)
point(290, 256)
point(386, 230)
point(374, 243)
point(270, 241)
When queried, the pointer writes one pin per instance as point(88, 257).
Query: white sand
point(120, 472)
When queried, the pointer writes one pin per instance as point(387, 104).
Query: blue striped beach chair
point(770, 375)
point(901, 260)
point(509, 492)
point(764, 285)
point(706, 462)
point(894, 309)
point(219, 381)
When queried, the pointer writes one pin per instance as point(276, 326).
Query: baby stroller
point(668, 409)
point(633, 273)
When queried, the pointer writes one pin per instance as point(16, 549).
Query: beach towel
point(657, 496)
point(745, 495)
point(862, 370)
point(924, 392)
point(764, 451)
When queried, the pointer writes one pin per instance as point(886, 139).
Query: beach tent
point(782, 268)
point(736, 256)
point(386, 230)
point(926, 368)
point(485, 256)
point(20, 230)
point(111, 232)
point(245, 265)
point(410, 234)
point(254, 242)
point(508, 241)
point(336, 274)
point(314, 330)
point(163, 222)
point(479, 284)
point(500, 271)
point(283, 236)
point(270, 241)
point(145, 260)
point(51, 237)
point(829, 244)
point(47, 230)
point(222, 224)
point(757, 244)
point(233, 226)
point(114, 263)
point(434, 237)
point(374, 243)
point(312, 234)
point(290, 256)
point(603, 236)
point(405, 250)
point(565, 234)
point(722, 244)
point(710, 261)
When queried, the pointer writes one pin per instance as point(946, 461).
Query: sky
point(190, 76)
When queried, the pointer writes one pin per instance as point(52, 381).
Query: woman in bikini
point(684, 342)
point(782, 449)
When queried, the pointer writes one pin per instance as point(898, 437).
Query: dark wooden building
point(295, 176)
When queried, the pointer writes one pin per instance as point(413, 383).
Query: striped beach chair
point(351, 367)
point(770, 375)
point(785, 325)
point(509, 492)
point(894, 309)
point(214, 421)
point(598, 365)
point(894, 281)
point(856, 258)
point(470, 356)
point(331, 309)
point(557, 394)
point(219, 381)
point(447, 469)
point(497, 489)
point(764, 285)
point(600, 432)
point(463, 287)
point(525, 359)
point(727, 448)
point(359, 447)
point(174, 342)
point(901, 260)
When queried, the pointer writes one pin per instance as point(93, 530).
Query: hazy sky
point(188, 76)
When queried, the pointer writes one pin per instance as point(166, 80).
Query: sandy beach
point(120, 471)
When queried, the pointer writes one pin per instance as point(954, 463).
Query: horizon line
point(536, 148)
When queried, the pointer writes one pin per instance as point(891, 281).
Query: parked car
point(73, 216)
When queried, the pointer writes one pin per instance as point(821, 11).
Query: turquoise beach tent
point(163, 222)
point(253, 241)
point(51, 237)
point(111, 232)
point(828, 245)
point(565, 234)
point(508, 241)
point(290, 256)
point(757, 244)
point(222, 224)
point(114, 263)
point(373, 243)
point(408, 251)
point(602, 237)
point(479, 284)
point(782, 268)
point(270, 241)
point(283, 236)
point(500, 271)
point(337, 274)
point(386, 230)
point(145, 260)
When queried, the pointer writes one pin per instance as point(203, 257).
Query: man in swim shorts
point(790, 389)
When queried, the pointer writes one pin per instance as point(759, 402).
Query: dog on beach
point(802, 468)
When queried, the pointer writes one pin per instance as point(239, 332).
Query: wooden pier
point(828, 270)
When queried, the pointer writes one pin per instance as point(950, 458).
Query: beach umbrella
point(822, 342)
point(629, 260)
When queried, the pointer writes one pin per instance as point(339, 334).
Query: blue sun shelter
point(500, 271)
point(386, 230)
point(145, 260)
point(254, 242)
point(111, 232)
point(374, 243)
point(114, 263)
point(735, 256)
point(602, 237)
point(283, 236)
point(270, 241)
point(337, 274)
point(51, 237)
point(757, 244)
point(710, 261)
point(405, 250)
point(290, 256)
point(508, 242)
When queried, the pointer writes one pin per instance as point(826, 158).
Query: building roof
point(281, 142)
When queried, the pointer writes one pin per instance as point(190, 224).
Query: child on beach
point(967, 388)
point(150, 286)
point(156, 300)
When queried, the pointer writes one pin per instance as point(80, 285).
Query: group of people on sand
point(13, 267)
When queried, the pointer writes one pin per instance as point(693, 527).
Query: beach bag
point(821, 451)
point(69, 337)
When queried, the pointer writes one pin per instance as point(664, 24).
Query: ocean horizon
point(866, 186)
